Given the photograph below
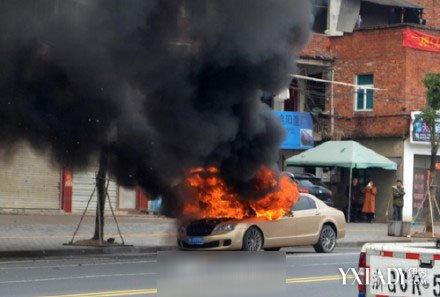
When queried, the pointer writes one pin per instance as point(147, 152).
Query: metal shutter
point(127, 198)
point(28, 180)
point(82, 188)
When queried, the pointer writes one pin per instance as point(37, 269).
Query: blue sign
point(420, 132)
point(299, 129)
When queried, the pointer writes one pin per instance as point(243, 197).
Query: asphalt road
point(308, 274)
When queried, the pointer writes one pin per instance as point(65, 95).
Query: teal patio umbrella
point(346, 154)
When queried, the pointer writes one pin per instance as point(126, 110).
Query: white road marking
point(74, 277)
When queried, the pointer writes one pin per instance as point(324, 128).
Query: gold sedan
point(311, 222)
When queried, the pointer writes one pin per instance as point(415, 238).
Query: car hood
point(216, 221)
point(210, 221)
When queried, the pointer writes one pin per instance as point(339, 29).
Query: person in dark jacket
point(356, 199)
point(398, 193)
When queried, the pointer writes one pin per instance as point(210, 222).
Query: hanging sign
point(421, 41)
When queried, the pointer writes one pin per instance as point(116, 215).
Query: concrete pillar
point(302, 86)
point(278, 100)
point(334, 10)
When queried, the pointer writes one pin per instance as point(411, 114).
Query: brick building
point(377, 84)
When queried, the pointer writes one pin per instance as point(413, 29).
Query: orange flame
point(212, 198)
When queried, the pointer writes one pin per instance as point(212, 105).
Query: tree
point(431, 117)
point(101, 179)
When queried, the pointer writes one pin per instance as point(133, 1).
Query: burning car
point(284, 218)
point(311, 222)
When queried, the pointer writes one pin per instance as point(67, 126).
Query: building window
point(364, 92)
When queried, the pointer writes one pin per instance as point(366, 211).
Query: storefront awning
point(398, 3)
point(347, 154)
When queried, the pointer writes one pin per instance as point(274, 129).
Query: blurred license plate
point(195, 240)
point(411, 281)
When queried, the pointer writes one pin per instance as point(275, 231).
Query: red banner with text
point(421, 41)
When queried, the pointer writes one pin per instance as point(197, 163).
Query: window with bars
point(364, 92)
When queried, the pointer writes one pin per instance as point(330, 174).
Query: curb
point(85, 251)
point(139, 250)
point(354, 244)
point(361, 243)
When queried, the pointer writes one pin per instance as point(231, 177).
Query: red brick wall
point(380, 53)
point(370, 52)
point(431, 11)
point(318, 46)
point(396, 69)
point(419, 63)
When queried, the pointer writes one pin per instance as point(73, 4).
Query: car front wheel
point(327, 240)
point(252, 240)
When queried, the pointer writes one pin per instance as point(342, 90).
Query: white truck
point(399, 269)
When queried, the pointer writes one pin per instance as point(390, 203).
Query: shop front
point(28, 181)
point(417, 154)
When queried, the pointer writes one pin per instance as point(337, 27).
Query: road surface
point(308, 274)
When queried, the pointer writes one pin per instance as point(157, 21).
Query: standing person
point(355, 199)
point(398, 193)
point(359, 21)
point(369, 207)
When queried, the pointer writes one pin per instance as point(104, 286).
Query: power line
point(297, 76)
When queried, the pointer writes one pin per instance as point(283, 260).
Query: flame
point(213, 198)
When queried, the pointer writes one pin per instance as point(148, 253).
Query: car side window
point(312, 203)
point(301, 204)
point(304, 203)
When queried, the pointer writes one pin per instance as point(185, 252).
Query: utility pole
point(332, 106)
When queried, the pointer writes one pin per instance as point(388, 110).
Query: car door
point(279, 232)
point(306, 222)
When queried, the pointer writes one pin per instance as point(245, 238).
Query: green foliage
point(429, 116)
point(430, 113)
point(432, 84)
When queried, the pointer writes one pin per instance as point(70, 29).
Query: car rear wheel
point(252, 240)
point(327, 240)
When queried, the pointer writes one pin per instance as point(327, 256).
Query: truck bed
point(401, 269)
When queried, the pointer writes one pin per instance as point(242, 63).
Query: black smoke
point(161, 85)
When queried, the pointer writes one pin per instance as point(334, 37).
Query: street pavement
point(312, 274)
point(27, 240)
point(43, 235)
point(308, 274)
point(33, 233)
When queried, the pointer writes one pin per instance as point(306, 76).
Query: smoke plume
point(162, 85)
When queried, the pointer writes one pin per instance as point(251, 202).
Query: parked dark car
point(309, 183)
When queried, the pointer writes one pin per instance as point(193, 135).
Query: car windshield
point(305, 183)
